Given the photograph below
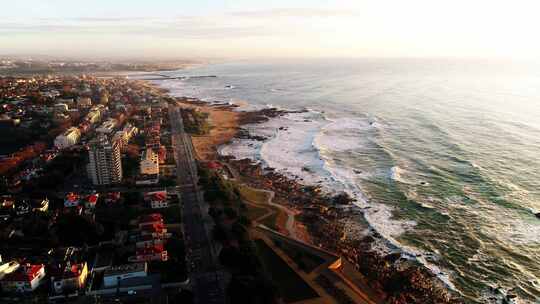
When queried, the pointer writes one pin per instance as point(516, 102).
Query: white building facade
point(105, 162)
point(149, 162)
point(67, 139)
point(116, 274)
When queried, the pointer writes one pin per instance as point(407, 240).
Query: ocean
point(442, 156)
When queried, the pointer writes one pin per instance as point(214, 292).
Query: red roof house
point(25, 279)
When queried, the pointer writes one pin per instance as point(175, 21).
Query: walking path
point(291, 222)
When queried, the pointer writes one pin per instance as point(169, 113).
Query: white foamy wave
point(380, 218)
point(297, 148)
point(291, 151)
point(300, 146)
point(395, 173)
point(341, 135)
point(500, 223)
point(511, 228)
point(241, 149)
point(404, 176)
point(290, 148)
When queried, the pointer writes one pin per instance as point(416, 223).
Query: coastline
point(321, 218)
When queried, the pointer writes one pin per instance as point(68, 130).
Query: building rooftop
point(127, 268)
point(72, 197)
point(92, 199)
point(74, 271)
point(156, 196)
point(153, 228)
point(25, 273)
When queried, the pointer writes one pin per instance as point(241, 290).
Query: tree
point(74, 230)
point(244, 220)
point(219, 233)
point(230, 213)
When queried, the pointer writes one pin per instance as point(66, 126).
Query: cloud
point(111, 19)
point(17, 28)
point(239, 22)
point(189, 27)
point(296, 12)
point(229, 25)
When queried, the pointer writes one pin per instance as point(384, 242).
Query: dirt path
point(291, 221)
point(290, 224)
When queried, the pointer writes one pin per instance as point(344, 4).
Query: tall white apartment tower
point(105, 161)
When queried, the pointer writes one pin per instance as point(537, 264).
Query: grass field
point(253, 195)
point(261, 198)
point(254, 212)
point(291, 286)
point(271, 221)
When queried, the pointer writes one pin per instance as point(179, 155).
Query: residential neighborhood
point(87, 211)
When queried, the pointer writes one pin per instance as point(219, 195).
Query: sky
point(175, 29)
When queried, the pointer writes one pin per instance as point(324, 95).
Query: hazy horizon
point(166, 29)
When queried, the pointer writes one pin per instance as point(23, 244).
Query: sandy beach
point(315, 217)
point(224, 122)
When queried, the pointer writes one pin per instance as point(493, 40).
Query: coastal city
point(113, 191)
point(89, 205)
point(269, 152)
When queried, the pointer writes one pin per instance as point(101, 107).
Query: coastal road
point(207, 280)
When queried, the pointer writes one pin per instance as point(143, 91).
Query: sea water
point(442, 156)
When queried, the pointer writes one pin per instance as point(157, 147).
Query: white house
point(67, 139)
point(43, 206)
point(94, 115)
point(91, 201)
point(157, 199)
point(107, 127)
point(84, 102)
point(123, 136)
point(114, 275)
point(73, 277)
point(7, 268)
point(25, 279)
point(72, 200)
point(149, 164)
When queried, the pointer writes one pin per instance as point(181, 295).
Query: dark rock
point(392, 257)
point(342, 199)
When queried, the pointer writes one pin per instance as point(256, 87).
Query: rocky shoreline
point(399, 279)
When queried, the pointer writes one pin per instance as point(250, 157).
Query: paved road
point(122, 189)
point(208, 282)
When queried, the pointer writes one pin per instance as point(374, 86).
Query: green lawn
point(291, 286)
point(253, 195)
point(271, 221)
point(254, 212)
